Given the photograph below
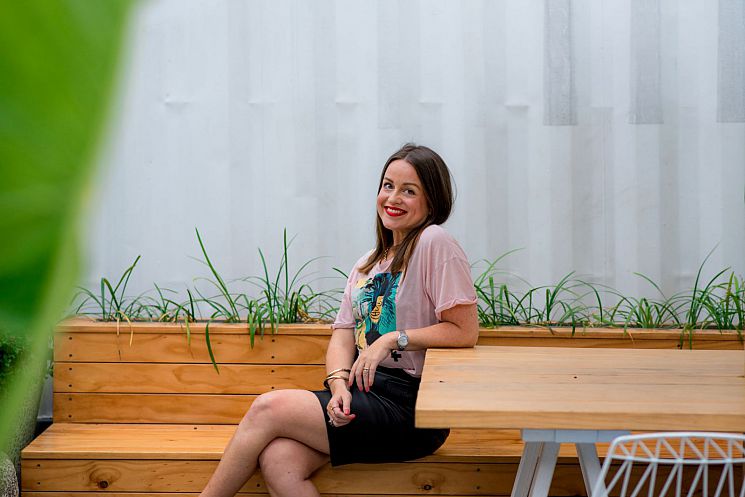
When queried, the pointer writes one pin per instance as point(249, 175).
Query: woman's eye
point(387, 186)
point(410, 192)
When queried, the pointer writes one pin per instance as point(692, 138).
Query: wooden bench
point(143, 412)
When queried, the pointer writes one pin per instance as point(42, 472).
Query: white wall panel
point(603, 137)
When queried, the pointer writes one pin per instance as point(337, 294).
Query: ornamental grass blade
point(209, 346)
point(221, 284)
point(188, 335)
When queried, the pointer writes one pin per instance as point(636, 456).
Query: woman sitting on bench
point(413, 291)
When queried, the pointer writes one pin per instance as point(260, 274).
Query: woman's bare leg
point(287, 465)
point(293, 414)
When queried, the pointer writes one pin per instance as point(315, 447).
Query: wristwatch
point(403, 340)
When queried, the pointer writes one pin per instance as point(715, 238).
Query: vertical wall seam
point(731, 62)
point(646, 80)
point(559, 100)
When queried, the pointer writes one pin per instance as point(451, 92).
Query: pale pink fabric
point(438, 278)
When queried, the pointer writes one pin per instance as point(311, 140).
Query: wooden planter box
point(138, 410)
point(106, 373)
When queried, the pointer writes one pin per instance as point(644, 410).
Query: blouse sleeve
point(447, 279)
point(345, 317)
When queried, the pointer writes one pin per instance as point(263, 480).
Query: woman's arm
point(459, 328)
point(340, 355)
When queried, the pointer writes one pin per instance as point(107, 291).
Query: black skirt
point(383, 429)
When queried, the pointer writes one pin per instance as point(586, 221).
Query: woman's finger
point(345, 404)
point(359, 373)
point(330, 408)
point(366, 377)
point(353, 372)
point(371, 377)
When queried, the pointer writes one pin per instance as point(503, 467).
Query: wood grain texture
point(149, 408)
point(87, 325)
point(179, 494)
point(520, 387)
point(206, 442)
point(184, 378)
point(610, 342)
point(191, 476)
point(174, 348)
point(403, 480)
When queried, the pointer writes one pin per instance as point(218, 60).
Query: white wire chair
point(674, 464)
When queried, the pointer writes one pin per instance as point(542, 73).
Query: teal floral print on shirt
point(374, 307)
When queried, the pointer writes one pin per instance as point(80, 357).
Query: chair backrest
point(683, 464)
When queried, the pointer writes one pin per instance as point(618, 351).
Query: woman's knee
point(266, 404)
point(266, 408)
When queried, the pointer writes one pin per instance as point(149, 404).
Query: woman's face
point(401, 205)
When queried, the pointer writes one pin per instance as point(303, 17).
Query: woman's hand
point(338, 407)
point(368, 359)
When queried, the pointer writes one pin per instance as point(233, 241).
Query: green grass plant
point(228, 311)
point(287, 296)
point(575, 303)
point(647, 312)
point(111, 303)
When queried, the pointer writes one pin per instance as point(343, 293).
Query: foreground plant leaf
point(57, 61)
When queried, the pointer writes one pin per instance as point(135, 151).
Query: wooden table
point(579, 396)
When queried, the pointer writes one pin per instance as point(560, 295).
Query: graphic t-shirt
point(437, 278)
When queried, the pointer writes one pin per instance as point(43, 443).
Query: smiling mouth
point(394, 212)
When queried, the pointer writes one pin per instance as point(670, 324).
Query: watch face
point(403, 341)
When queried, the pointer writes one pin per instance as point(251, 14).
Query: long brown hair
point(438, 190)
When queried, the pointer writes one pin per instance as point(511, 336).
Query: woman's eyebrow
point(386, 178)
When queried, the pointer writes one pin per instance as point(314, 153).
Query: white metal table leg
point(542, 450)
point(589, 463)
point(545, 471)
point(526, 469)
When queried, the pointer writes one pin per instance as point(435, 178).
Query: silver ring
point(366, 370)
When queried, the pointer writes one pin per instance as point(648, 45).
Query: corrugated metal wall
point(605, 137)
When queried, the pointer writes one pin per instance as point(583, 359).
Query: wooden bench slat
point(207, 442)
point(174, 348)
point(184, 378)
point(178, 494)
point(150, 408)
point(191, 476)
point(89, 325)
point(535, 333)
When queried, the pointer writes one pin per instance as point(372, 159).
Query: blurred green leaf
point(58, 65)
